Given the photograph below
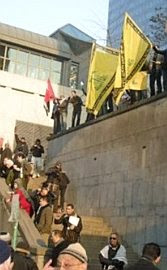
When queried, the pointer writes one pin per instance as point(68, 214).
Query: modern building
point(27, 60)
point(151, 17)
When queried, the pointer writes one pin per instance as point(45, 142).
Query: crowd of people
point(60, 110)
point(156, 67)
point(65, 255)
point(46, 207)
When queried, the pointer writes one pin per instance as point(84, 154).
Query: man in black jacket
point(59, 244)
point(37, 150)
point(63, 182)
point(150, 257)
point(21, 145)
point(164, 65)
point(77, 107)
point(72, 224)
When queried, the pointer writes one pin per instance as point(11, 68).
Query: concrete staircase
point(94, 237)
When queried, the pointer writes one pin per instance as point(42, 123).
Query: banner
point(139, 81)
point(134, 50)
point(101, 77)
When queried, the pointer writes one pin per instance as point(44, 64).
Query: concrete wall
point(118, 170)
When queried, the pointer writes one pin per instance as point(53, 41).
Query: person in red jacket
point(23, 197)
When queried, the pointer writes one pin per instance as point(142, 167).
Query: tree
point(158, 26)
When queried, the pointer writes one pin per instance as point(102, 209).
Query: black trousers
point(62, 196)
point(76, 114)
point(164, 75)
point(155, 77)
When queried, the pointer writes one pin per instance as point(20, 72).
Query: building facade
point(151, 17)
point(27, 60)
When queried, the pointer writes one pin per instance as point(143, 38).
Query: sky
point(46, 16)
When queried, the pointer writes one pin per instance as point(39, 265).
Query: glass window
point(2, 50)
point(55, 77)
point(1, 63)
point(43, 74)
point(34, 60)
point(44, 62)
point(56, 65)
point(33, 72)
point(74, 71)
point(9, 66)
point(22, 57)
point(21, 69)
point(11, 53)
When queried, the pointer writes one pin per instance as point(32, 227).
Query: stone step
point(92, 219)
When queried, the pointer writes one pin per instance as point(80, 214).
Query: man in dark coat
point(22, 259)
point(43, 218)
point(150, 257)
point(21, 145)
point(63, 182)
point(58, 245)
point(77, 108)
point(164, 65)
point(6, 153)
point(72, 224)
point(37, 150)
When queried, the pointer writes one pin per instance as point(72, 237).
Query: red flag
point(49, 95)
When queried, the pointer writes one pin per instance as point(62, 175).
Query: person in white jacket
point(113, 255)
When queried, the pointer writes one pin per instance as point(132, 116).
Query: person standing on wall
point(63, 108)
point(77, 108)
point(164, 65)
point(155, 74)
point(56, 116)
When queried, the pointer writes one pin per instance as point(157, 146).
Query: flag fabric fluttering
point(101, 77)
point(135, 47)
point(49, 95)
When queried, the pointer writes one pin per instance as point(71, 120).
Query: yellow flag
point(101, 77)
point(134, 50)
point(138, 82)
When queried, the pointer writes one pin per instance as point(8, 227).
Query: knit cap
point(23, 247)
point(5, 236)
point(77, 251)
point(5, 251)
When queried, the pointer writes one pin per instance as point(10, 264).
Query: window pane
point(33, 72)
point(74, 70)
point(2, 50)
point(56, 65)
point(44, 62)
point(11, 53)
point(1, 63)
point(43, 74)
point(34, 60)
point(9, 66)
point(55, 77)
point(22, 57)
point(21, 69)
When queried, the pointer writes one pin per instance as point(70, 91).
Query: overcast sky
point(46, 16)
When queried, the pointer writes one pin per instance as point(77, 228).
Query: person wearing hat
point(22, 259)
point(5, 256)
point(74, 256)
point(5, 236)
